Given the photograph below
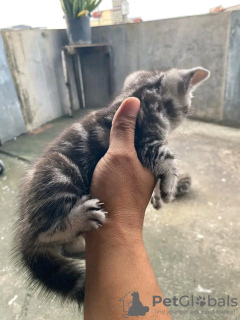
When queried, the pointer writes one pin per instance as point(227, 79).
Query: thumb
point(123, 125)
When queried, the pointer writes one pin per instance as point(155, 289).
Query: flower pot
point(79, 30)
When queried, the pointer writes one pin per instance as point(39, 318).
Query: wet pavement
point(193, 243)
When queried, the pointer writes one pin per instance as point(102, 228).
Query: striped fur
point(55, 205)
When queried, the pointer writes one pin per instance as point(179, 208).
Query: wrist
point(114, 236)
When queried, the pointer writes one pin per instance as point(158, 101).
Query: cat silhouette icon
point(137, 308)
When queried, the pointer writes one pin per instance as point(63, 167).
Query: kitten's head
point(167, 92)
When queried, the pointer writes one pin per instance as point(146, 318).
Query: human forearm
point(117, 263)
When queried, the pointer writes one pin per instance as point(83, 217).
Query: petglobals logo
point(133, 305)
point(192, 301)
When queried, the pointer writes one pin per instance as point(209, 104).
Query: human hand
point(119, 180)
point(116, 258)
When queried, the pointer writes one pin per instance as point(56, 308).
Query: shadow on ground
point(193, 243)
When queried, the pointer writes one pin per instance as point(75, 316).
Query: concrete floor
point(193, 243)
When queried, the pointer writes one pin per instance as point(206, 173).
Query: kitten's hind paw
point(168, 181)
point(184, 184)
point(168, 197)
point(89, 213)
point(156, 202)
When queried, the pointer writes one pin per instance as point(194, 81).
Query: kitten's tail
point(58, 274)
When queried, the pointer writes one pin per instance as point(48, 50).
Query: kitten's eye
point(168, 104)
point(169, 107)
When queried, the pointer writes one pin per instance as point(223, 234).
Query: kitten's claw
point(100, 204)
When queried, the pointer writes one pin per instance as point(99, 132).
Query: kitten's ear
point(193, 78)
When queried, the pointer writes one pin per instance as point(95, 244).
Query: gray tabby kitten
point(55, 205)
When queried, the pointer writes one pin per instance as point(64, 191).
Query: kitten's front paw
point(95, 214)
point(89, 213)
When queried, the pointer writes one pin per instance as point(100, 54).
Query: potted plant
point(77, 14)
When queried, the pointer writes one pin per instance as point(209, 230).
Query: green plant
point(77, 8)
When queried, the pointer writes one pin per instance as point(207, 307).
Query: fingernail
point(130, 107)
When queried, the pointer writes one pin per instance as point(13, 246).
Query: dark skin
point(116, 259)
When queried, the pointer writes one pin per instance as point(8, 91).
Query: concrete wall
point(231, 114)
point(11, 120)
point(211, 41)
point(183, 42)
point(35, 60)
